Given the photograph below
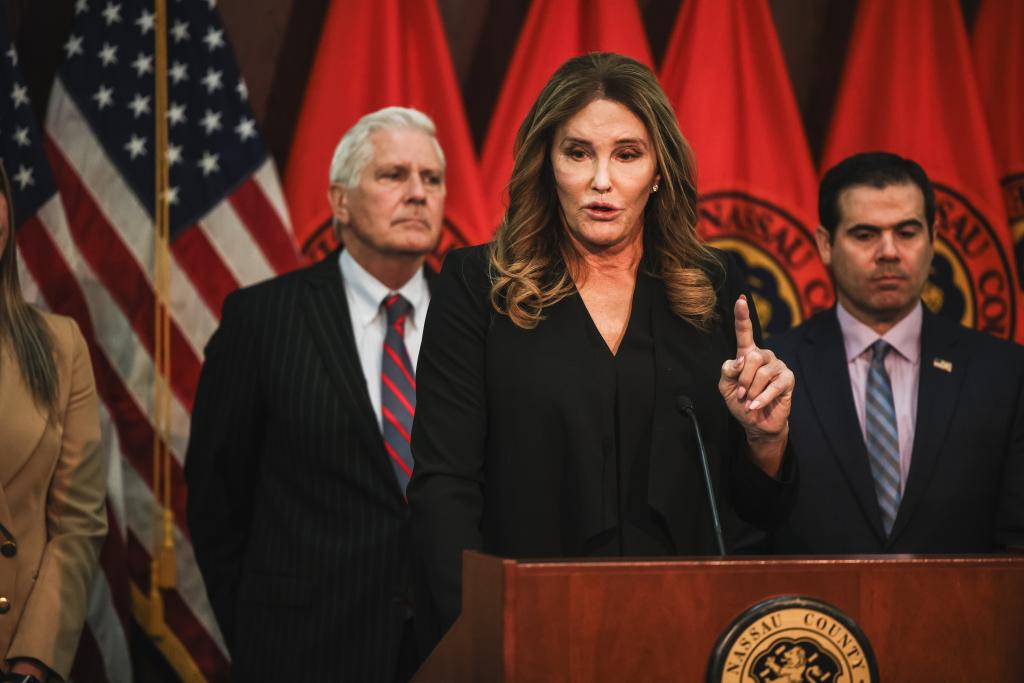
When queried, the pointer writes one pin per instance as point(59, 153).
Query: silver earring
point(655, 188)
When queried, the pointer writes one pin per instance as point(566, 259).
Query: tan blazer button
point(5, 605)
point(8, 549)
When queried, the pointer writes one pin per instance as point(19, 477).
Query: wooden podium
point(935, 619)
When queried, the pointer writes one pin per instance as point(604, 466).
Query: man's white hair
point(354, 150)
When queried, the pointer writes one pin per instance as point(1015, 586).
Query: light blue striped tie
point(882, 438)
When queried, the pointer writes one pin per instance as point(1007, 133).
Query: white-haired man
point(299, 455)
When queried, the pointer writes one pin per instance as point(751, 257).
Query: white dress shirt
point(364, 294)
point(903, 363)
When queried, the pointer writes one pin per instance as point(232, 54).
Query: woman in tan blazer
point(52, 479)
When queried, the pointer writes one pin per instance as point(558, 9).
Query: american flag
point(90, 255)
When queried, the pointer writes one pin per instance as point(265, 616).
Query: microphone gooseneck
point(685, 405)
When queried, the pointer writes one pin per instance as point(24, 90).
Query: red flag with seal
point(554, 31)
point(999, 64)
point(725, 76)
point(909, 88)
point(398, 56)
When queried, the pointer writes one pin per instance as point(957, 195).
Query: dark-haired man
point(908, 428)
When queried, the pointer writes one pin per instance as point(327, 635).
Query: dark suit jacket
point(297, 520)
point(515, 453)
point(965, 490)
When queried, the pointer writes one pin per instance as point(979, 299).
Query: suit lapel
point(937, 392)
point(827, 379)
point(22, 428)
point(330, 324)
point(24, 421)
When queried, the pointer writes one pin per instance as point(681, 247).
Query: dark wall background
point(275, 42)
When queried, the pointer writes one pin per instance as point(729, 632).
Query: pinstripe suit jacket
point(298, 524)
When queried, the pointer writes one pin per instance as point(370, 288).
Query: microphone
point(685, 405)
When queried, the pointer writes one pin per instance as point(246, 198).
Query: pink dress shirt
point(903, 363)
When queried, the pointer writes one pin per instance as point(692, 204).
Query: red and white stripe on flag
point(88, 252)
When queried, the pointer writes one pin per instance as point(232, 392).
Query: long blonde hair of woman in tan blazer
point(52, 477)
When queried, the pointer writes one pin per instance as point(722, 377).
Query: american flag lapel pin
point(943, 364)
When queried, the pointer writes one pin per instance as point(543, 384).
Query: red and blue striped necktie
point(398, 390)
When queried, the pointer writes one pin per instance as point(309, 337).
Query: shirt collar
point(904, 336)
point(368, 292)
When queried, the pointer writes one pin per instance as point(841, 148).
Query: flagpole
point(168, 560)
point(163, 562)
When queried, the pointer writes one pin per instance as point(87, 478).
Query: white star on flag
point(180, 31)
point(24, 177)
point(212, 80)
point(136, 146)
point(19, 94)
point(143, 64)
point(73, 46)
point(21, 137)
point(176, 113)
point(112, 13)
point(139, 105)
point(108, 55)
point(214, 38)
point(173, 154)
point(210, 121)
point(246, 129)
point(209, 163)
point(145, 22)
point(104, 97)
point(179, 72)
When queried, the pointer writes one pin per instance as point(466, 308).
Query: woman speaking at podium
point(565, 365)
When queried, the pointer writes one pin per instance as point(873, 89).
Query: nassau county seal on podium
point(792, 640)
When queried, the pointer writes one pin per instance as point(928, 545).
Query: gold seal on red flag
point(1013, 193)
point(399, 56)
point(925, 43)
point(776, 252)
point(320, 242)
point(972, 280)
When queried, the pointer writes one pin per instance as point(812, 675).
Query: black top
point(629, 399)
point(514, 438)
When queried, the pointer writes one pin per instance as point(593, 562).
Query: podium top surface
point(751, 562)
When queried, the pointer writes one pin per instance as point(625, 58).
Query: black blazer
point(298, 523)
point(515, 454)
point(965, 489)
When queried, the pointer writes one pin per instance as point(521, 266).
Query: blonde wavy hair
point(531, 259)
